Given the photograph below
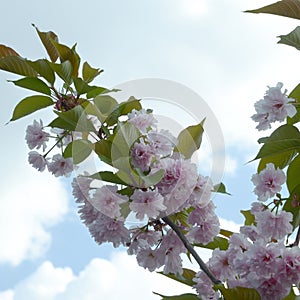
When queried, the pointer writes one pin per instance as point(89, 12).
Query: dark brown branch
point(297, 240)
point(191, 249)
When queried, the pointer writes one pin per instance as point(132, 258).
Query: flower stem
point(191, 249)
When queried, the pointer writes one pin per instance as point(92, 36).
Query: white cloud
point(45, 283)
point(118, 278)
point(7, 295)
point(31, 202)
point(114, 279)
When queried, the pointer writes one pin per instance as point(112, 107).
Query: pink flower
point(205, 233)
point(105, 229)
point(204, 287)
point(274, 226)
point(150, 259)
point(275, 106)
point(141, 155)
point(268, 182)
point(37, 160)
point(107, 201)
point(143, 239)
point(61, 166)
point(148, 203)
point(171, 247)
point(220, 266)
point(178, 182)
point(162, 142)
point(35, 136)
point(201, 194)
point(81, 188)
point(142, 120)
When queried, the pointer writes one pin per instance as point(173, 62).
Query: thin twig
point(297, 240)
point(191, 249)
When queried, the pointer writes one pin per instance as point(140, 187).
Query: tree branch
point(297, 240)
point(191, 249)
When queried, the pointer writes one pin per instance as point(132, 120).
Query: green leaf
point(186, 277)
point(97, 90)
point(188, 296)
point(89, 73)
point(293, 178)
point(123, 109)
point(68, 54)
point(17, 65)
point(285, 8)
point(291, 296)
point(47, 38)
point(79, 150)
point(30, 105)
point(81, 86)
point(124, 138)
point(108, 176)
point(239, 293)
point(189, 139)
point(150, 180)
point(226, 233)
point(42, 67)
point(295, 94)
point(103, 149)
point(218, 242)
point(292, 39)
point(7, 51)
point(63, 70)
point(249, 217)
point(292, 205)
point(74, 119)
point(220, 188)
point(105, 104)
point(34, 84)
point(280, 147)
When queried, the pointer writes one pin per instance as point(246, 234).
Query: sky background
point(211, 46)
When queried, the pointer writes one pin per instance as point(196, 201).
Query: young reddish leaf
point(47, 38)
point(30, 105)
point(284, 8)
point(17, 65)
point(7, 51)
point(68, 54)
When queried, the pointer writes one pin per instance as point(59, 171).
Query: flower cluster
point(268, 182)
point(275, 106)
point(180, 193)
point(36, 138)
point(256, 258)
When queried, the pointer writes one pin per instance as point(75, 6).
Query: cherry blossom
point(268, 182)
point(141, 155)
point(107, 201)
point(142, 120)
point(35, 136)
point(60, 166)
point(275, 106)
point(147, 203)
point(37, 160)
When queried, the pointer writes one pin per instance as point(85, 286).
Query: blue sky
point(210, 46)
